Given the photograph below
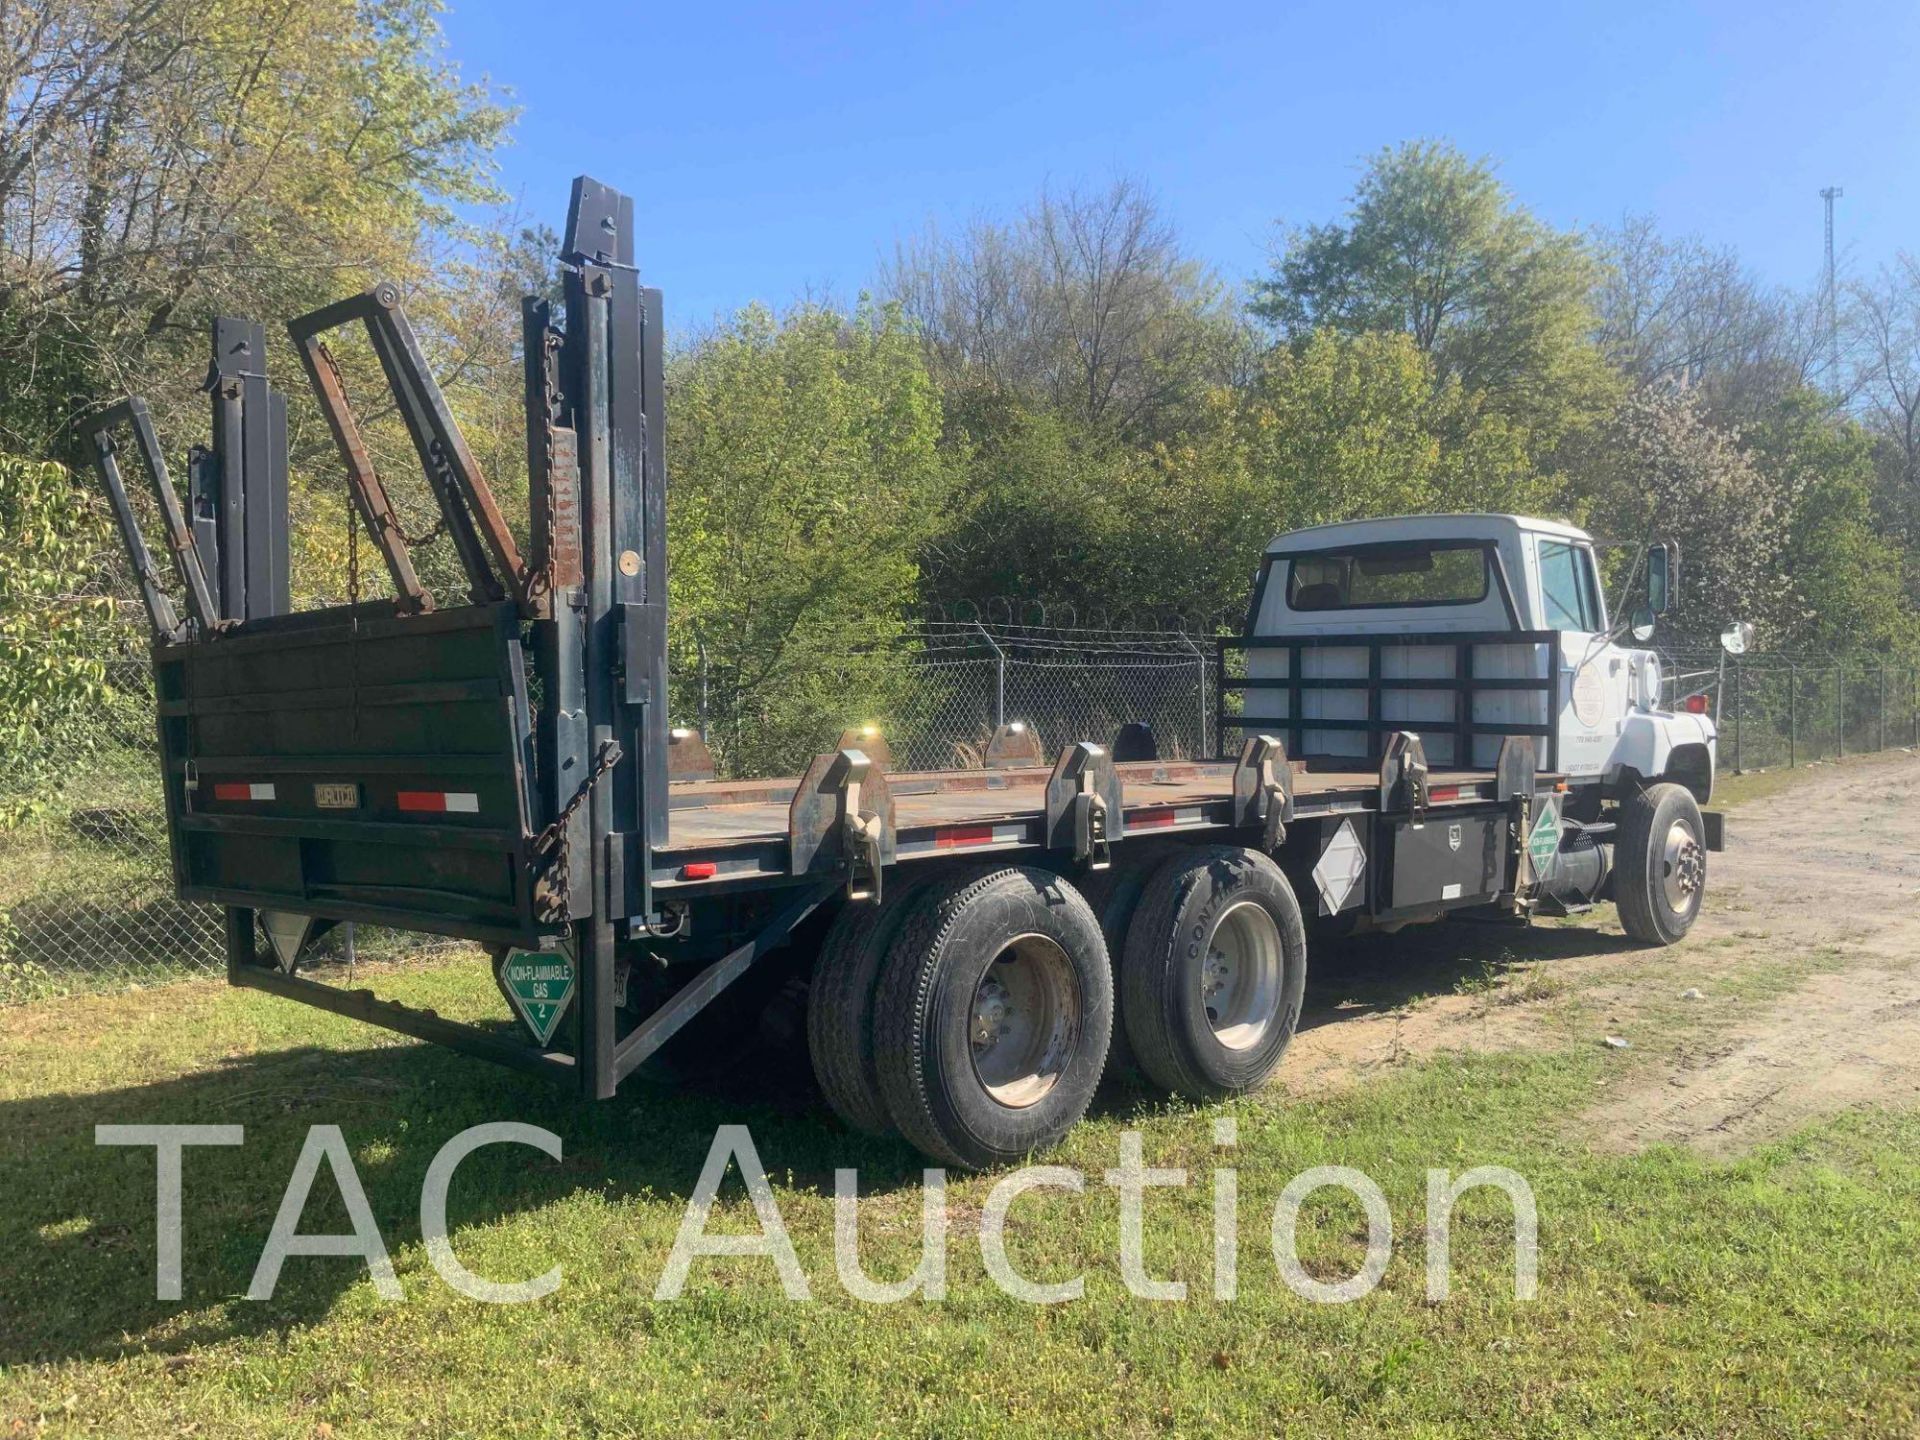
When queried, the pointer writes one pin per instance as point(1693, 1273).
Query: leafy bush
point(55, 637)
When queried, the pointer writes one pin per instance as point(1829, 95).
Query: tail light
point(1697, 704)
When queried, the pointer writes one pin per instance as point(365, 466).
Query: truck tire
point(1213, 972)
point(840, 1005)
point(993, 1015)
point(1660, 867)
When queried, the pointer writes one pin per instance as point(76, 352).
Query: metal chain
point(547, 577)
point(353, 553)
point(414, 541)
point(353, 531)
point(550, 381)
point(437, 459)
point(554, 837)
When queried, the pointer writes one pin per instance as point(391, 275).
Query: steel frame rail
point(166, 623)
point(479, 532)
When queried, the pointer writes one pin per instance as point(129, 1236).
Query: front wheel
point(1660, 872)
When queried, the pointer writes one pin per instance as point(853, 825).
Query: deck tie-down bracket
point(841, 819)
point(1263, 790)
point(1403, 777)
point(1516, 778)
point(1083, 799)
point(1013, 746)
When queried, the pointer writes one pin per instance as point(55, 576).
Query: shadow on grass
point(78, 1225)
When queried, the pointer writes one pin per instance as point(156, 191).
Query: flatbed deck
point(741, 826)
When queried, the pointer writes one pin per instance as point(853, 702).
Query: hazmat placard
point(539, 985)
point(1543, 842)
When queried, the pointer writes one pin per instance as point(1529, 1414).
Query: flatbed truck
point(1431, 715)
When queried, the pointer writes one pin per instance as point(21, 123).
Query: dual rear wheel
point(975, 1014)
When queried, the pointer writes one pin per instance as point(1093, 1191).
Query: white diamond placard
point(1339, 869)
point(288, 934)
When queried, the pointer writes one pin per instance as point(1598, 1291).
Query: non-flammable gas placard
point(539, 984)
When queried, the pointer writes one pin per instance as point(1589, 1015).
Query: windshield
point(1438, 572)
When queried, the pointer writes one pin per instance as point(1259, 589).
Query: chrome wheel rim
point(1025, 1021)
point(1240, 987)
point(1683, 866)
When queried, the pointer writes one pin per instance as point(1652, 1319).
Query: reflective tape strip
point(953, 837)
point(241, 790)
point(439, 802)
point(1162, 819)
point(957, 837)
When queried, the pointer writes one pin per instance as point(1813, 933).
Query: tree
point(805, 470)
point(1842, 573)
point(1886, 319)
point(1680, 312)
point(54, 623)
point(162, 161)
point(1435, 247)
point(1032, 503)
point(1336, 429)
point(1659, 469)
point(1363, 426)
point(1083, 303)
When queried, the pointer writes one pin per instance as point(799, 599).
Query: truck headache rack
point(1366, 688)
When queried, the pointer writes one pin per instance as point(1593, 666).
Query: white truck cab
point(1513, 632)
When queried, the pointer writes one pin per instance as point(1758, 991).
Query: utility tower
point(1831, 297)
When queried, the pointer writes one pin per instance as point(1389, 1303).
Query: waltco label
point(342, 795)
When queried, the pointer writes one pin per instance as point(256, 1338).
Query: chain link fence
point(86, 890)
point(1776, 710)
point(967, 678)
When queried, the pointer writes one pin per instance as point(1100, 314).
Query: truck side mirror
point(1663, 576)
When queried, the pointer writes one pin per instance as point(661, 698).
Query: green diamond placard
point(539, 984)
point(1543, 843)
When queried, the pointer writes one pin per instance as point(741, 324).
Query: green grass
point(1771, 1295)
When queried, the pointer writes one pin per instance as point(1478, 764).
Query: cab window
point(1568, 593)
point(1427, 573)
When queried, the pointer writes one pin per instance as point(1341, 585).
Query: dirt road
point(1805, 964)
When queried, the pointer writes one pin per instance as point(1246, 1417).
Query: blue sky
point(776, 150)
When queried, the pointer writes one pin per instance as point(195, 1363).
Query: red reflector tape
point(699, 870)
point(1150, 819)
point(1444, 792)
point(439, 802)
point(241, 790)
point(962, 835)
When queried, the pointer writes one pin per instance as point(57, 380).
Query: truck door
point(1594, 676)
